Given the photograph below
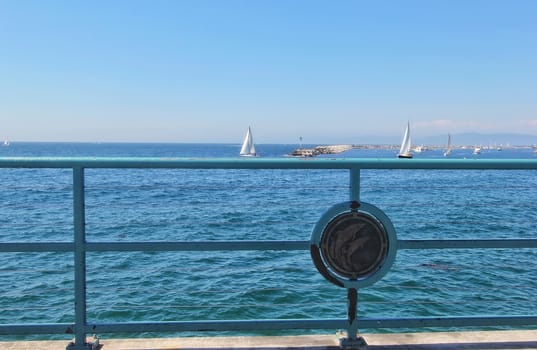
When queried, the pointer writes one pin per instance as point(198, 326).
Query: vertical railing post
point(79, 222)
point(353, 340)
point(355, 184)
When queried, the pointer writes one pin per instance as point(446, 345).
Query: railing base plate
point(92, 343)
point(353, 343)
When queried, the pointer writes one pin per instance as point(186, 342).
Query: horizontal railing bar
point(467, 243)
point(198, 246)
point(36, 328)
point(37, 247)
point(249, 325)
point(223, 325)
point(461, 321)
point(256, 245)
point(264, 163)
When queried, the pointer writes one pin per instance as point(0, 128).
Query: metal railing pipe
point(36, 328)
point(467, 244)
point(80, 257)
point(354, 184)
point(266, 163)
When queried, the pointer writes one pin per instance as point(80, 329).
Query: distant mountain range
point(496, 139)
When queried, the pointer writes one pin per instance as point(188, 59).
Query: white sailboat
point(404, 152)
point(248, 146)
point(448, 149)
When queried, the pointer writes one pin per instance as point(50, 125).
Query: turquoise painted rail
point(80, 247)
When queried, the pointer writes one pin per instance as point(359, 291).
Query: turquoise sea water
point(166, 205)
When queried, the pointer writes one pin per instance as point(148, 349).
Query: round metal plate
point(353, 247)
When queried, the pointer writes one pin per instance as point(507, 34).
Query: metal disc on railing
point(353, 245)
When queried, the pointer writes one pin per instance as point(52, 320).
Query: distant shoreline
point(308, 146)
point(431, 147)
point(335, 149)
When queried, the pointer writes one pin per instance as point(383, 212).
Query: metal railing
point(80, 246)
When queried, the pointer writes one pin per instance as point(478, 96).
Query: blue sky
point(203, 71)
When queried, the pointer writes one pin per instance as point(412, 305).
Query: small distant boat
point(448, 149)
point(404, 152)
point(477, 150)
point(248, 146)
point(6, 143)
point(419, 149)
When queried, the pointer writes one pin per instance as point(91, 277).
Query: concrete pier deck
point(401, 341)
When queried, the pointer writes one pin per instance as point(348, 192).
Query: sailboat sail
point(404, 152)
point(248, 146)
point(448, 149)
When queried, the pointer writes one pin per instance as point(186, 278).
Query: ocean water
point(167, 205)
